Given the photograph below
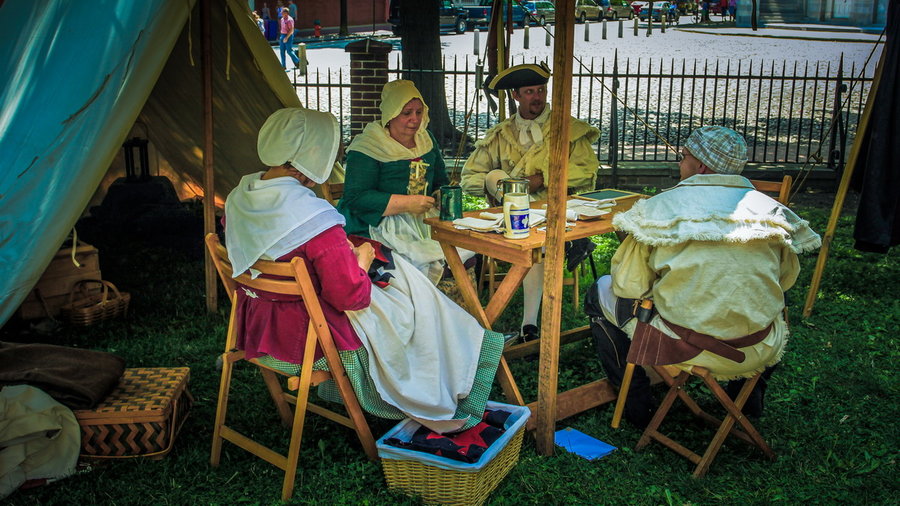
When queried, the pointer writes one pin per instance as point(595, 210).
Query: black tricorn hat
point(527, 74)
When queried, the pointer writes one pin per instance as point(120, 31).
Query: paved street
point(783, 120)
point(690, 41)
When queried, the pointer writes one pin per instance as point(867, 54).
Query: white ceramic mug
point(515, 215)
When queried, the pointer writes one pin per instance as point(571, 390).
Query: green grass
point(830, 414)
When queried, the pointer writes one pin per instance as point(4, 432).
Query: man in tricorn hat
point(519, 147)
point(716, 257)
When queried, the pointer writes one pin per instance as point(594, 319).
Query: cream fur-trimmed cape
point(715, 207)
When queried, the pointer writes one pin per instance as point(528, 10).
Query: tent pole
point(502, 95)
point(557, 187)
point(209, 189)
point(842, 192)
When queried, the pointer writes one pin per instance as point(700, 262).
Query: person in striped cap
point(715, 256)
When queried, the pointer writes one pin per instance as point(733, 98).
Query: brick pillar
point(368, 74)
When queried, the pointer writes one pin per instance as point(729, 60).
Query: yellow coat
point(500, 149)
point(715, 256)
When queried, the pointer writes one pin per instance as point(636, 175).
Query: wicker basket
point(140, 418)
point(87, 308)
point(440, 480)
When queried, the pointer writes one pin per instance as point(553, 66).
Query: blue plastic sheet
point(581, 444)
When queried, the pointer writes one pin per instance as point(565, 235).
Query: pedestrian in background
point(286, 39)
point(732, 9)
point(266, 13)
point(259, 23)
point(292, 8)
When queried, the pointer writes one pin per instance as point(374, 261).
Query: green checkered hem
point(356, 363)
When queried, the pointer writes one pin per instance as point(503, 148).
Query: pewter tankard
point(511, 185)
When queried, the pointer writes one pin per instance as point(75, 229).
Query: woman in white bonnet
point(407, 349)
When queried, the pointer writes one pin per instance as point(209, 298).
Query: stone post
point(368, 74)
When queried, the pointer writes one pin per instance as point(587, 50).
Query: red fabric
point(383, 259)
point(465, 446)
point(266, 326)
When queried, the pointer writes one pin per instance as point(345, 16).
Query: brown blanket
point(76, 378)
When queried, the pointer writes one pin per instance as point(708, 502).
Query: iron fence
point(646, 108)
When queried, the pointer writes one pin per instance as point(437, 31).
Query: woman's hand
point(365, 254)
point(412, 204)
point(419, 204)
point(436, 195)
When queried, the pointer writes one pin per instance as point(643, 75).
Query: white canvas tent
point(78, 75)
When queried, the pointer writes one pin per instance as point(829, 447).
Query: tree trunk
point(420, 37)
point(344, 28)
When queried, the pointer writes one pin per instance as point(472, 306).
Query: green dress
point(369, 184)
point(356, 364)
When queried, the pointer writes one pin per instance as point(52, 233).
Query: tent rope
point(190, 37)
point(806, 168)
point(227, 43)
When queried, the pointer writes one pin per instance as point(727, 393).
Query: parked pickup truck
point(452, 18)
point(480, 11)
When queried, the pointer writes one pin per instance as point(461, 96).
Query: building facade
point(863, 13)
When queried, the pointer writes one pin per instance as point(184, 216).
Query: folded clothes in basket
point(465, 446)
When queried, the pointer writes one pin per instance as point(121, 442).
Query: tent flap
point(79, 77)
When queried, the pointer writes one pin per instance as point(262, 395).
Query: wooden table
point(522, 254)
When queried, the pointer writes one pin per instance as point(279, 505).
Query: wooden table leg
point(466, 289)
point(511, 282)
point(470, 296)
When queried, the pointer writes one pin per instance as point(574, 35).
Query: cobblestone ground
point(784, 120)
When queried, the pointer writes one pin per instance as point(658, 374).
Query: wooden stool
point(726, 427)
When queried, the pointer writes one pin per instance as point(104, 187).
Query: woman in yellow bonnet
point(394, 171)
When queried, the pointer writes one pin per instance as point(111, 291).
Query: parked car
point(615, 9)
point(480, 13)
point(450, 17)
point(543, 12)
point(587, 9)
point(660, 9)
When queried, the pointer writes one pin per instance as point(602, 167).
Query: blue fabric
point(76, 78)
point(73, 89)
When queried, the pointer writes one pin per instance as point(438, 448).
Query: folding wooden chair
point(780, 188)
point(332, 192)
point(725, 427)
point(294, 280)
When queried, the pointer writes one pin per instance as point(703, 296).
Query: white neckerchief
point(376, 142)
point(260, 213)
point(532, 127)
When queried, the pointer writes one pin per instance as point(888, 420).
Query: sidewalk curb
point(791, 37)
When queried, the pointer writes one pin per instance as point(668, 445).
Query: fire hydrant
point(317, 28)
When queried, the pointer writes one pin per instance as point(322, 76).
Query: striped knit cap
point(721, 149)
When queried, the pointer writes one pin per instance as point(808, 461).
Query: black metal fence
point(789, 112)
